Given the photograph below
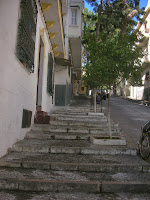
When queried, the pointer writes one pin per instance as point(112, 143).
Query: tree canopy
point(110, 45)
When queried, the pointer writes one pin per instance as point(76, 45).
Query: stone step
point(73, 128)
point(81, 167)
point(67, 181)
point(71, 112)
point(58, 136)
point(77, 123)
point(79, 117)
point(69, 147)
point(67, 136)
point(78, 112)
point(22, 195)
point(71, 162)
point(72, 109)
point(75, 159)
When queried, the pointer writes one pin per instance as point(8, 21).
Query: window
point(74, 17)
point(26, 33)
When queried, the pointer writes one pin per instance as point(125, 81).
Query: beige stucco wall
point(17, 86)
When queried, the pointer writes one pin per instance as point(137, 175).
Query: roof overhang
point(63, 62)
point(52, 11)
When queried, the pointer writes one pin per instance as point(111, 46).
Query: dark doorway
point(40, 75)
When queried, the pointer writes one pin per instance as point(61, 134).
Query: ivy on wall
point(50, 84)
point(26, 33)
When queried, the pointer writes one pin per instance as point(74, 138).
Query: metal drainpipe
point(62, 20)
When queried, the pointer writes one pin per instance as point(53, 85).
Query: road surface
point(129, 115)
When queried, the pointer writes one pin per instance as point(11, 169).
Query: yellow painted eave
point(56, 53)
point(46, 6)
point(52, 35)
point(49, 24)
point(55, 46)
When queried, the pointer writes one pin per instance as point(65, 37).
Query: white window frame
point(74, 17)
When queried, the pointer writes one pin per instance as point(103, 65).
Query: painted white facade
point(75, 30)
point(61, 72)
point(143, 92)
point(46, 98)
point(75, 34)
point(140, 92)
point(18, 87)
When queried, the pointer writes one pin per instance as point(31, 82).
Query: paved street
point(129, 115)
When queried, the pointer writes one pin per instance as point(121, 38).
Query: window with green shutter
point(50, 85)
point(26, 33)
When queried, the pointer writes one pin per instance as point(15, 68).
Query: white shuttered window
point(74, 17)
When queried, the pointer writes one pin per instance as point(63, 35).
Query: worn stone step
point(66, 136)
point(87, 119)
point(77, 123)
point(78, 113)
point(75, 158)
point(63, 181)
point(22, 195)
point(74, 129)
point(59, 136)
point(81, 167)
point(70, 112)
point(68, 147)
point(78, 117)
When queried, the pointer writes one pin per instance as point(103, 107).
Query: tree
point(110, 48)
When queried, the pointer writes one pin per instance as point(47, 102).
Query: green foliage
point(116, 53)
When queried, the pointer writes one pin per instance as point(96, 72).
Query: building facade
point(142, 92)
point(36, 63)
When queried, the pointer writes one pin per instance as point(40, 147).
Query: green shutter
point(50, 84)
point(26, 33)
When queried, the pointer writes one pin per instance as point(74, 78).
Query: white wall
point(61, 75)
point(46, 98)
point(75, 30)
point(17, 86)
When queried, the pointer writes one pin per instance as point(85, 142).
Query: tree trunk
point(97, 38)
point(94, 99)
point(109, 123)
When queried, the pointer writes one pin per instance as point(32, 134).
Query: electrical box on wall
point(26, 118)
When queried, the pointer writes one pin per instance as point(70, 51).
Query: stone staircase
point(59, 161)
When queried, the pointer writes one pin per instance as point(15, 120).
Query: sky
point(143, 3)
